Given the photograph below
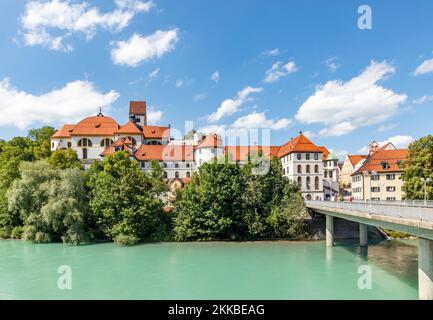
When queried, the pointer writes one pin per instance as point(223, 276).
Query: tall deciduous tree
point(124, 202)
point(64, 159)
point(419, 165)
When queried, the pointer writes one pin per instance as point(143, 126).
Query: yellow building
point(379, 178)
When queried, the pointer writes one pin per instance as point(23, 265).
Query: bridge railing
point(393, 209)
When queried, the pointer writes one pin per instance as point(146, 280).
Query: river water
point(216, 270)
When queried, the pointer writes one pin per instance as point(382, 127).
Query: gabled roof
point(240, 153)
point(165, 153)
point(137, 108)
point(129, 128)
point(212, 140)
point(393, 157)
point(156, 132)
point(64, 132)
point(355, 158)
point(95, 126)
point(122, 143)
point(299, 144)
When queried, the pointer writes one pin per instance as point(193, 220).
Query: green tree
point(124, 202)
point(64, 159)
point(419, 164)
point(51, 203)
point(42, 139)
point(211, 205)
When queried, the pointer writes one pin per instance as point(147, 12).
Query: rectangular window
point(298, 156)
point(375, 177)
point(390, 176)
point(188, 165)
point(375, 199)
point(390, 199)
point(143, 164)
point(316, 156)
point(307, 156)
point(390, 189)
point(375, 189)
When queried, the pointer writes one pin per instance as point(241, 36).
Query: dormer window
point(385, 165)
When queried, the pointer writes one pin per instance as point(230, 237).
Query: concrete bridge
point(415, 218)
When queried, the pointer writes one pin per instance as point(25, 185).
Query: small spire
point(300, 132)
point(100, 112)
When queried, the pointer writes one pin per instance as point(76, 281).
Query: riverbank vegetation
point(48, 197)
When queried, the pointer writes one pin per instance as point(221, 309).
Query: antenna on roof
point(100, 112)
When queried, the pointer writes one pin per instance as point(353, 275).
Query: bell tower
point(138, 112)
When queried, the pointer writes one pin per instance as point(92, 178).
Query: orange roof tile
point(165, 153)
point(212, 140)
point(392, 157)
point(95, 126)
point(240, 153)
point(137, 107)
point(64, 132)
point(129, 128)
point(299, 144)
point(355, 158)
point(156, 132)
point(325, 153)
point(122, 143)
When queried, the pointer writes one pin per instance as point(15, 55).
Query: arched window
point(316, 168)
point(134, 142)
point(69, 144)
point(106, 142)
point(307, 169)
point(176, 174)
point(188, 174)
point(300, 182)
point(325, 174)
point(330, 174)
point(308, 183)
point(84, 142)
point(316, 183)
point(299, 168)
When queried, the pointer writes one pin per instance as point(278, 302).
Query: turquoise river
point(216, 270)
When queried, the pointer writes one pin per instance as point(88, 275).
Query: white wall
point(203, 155)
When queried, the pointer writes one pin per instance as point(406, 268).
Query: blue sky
point(283, 65)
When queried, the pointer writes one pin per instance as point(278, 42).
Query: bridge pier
point(425, 269)
point(329, 231)
point(363, 235)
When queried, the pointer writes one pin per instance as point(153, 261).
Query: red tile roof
point(355, 158)
point(122, 143)
point(95, 126)
point(129, 128)
point(137, 108)
point(299, 144)
point(155, 132)
point(165, 153)
point(64, 132)
point(240, 153)
point(212, 140)
point(393, 157)
point(325, 153)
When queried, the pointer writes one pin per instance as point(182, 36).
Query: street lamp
point(425, 181)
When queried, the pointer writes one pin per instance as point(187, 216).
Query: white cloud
point(179, 83)
point(425, 67)
point(423, 99)
point(331, 64)
point(400, 142)
point(230, 106)
point(153, 74)
point(272, 52)
point(215, 76)
point(256, 120)
point(138, 48)
point(71, 103)
point(384, 128)
point(153, 115)
point(279, 70)
point(345, 106)
point(199, 96)
point(66, 17)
